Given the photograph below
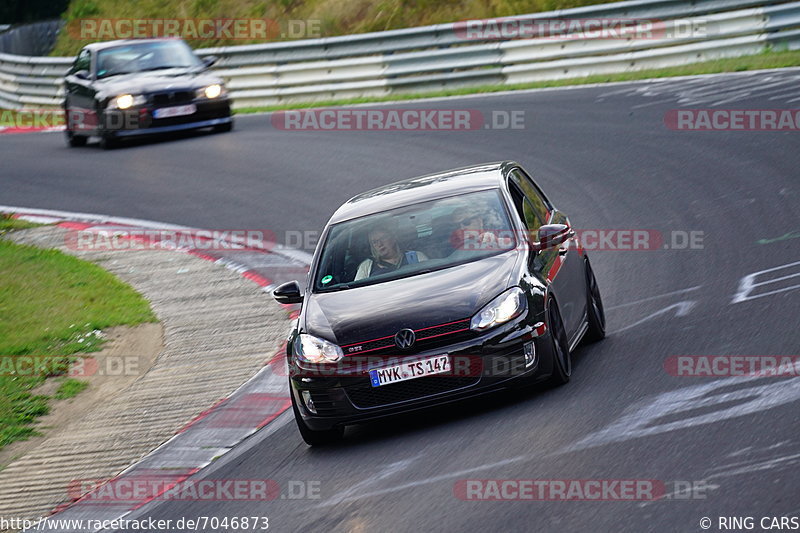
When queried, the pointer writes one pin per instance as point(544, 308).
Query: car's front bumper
point(140, 121)
point(342, 400)
point(175, 127)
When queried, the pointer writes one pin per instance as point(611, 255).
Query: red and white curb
point(213, 433)
point(14, 129)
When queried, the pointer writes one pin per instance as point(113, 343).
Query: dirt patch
point(128, 354)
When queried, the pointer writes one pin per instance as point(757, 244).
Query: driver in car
point(385, 254)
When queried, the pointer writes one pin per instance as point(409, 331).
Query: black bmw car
point(136, 87)
point(434, 289)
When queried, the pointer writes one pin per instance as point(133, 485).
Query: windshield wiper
point(109, 74)
point(164, 67)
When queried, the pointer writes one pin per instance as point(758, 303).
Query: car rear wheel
point(312, 437)
point(562, 363)
point(595, 313)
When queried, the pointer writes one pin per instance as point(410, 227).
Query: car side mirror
point(551, 235)
point(210, 60)
point(82, 74)
point(288, 293)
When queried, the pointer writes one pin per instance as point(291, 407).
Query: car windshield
point(146, 56)
point(412, 240)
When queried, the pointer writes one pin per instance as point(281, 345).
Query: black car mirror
point(551, 235)
point(210, 60)
point(82, 74)
point(288, 293)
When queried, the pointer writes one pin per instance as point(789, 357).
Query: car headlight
point(505, 307)
point(212, 91)
point(312, 349)
point(125, 101)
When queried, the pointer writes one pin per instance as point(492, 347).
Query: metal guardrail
point(439, 56)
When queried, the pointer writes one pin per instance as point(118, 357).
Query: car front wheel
point(562, 360)
point(223, 128)
point(73, 140)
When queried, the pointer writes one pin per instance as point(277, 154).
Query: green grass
point(52, 305)
point(319, 18)
point(764, 60)
point(70, 388)
point(9, 224)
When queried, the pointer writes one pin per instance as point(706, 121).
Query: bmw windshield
point(414, 239)
point(145, 56)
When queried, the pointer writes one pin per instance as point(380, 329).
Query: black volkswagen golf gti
point(434, 289)
point(134, 87)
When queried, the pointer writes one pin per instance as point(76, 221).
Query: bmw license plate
point(409, 370)
point(176, 111)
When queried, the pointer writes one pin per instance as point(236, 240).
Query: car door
point(561, 266)
point(79, 93)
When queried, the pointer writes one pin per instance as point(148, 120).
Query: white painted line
point(425, 481)
point(681, 309)
point(681, 291)
point(693, 406)
point(748, 283)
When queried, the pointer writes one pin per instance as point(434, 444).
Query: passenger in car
point(471, 232)
point(385, 253)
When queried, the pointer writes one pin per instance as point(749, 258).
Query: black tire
point(75, 140)
point(312, 437)
point(562, 359)
point(223, 128)
point(107, 142)
point(595, 314)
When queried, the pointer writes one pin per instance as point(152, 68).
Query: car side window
point(82, 62)
point(536, 200)
point(526, 210)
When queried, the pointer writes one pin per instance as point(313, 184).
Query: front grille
point(367, 396)
point(426, 337)
point(170, 98)
point(444, 329)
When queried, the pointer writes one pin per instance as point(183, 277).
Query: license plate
point(176, 111)
point(409, 370)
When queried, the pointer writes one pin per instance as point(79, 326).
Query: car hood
point(374, 311)
point(149, 82)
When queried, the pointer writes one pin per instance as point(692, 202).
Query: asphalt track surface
point(604, 156)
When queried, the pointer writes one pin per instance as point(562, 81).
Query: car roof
point(122, 42)
point(424, 188)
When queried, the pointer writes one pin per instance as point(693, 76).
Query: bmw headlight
point(212, 91)
point(505, 307)
point(125, 101)
point(312, 349)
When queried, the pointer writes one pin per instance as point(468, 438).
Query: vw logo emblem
point(404, 339)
